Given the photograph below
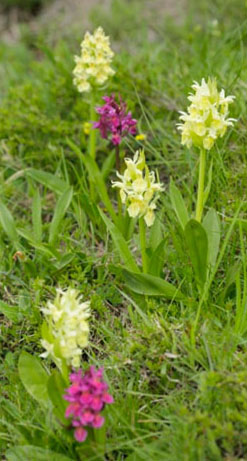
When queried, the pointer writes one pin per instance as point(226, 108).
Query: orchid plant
point(65, 333)
point(206, 121)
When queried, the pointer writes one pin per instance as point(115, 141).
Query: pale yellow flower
point(67, 322)
point(207, 117)
point(93, 65)
point(138, 189)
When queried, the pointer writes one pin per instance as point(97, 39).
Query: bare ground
point(60, 15)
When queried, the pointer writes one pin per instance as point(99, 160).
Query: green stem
point(118, 162)
point(142, 232)
point(92, 138)
point(118, 168)
point(119, 203)
point(200, 192)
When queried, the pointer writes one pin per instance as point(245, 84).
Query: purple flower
point(87, 396)
point(115, 119)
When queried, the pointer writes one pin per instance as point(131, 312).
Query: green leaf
point(197, 243)
point(156, 234)
point(56, 388)
point(33, 377)
point(33, 453)
point(108, 164)
point(156, 262)
point(146, 284)
point(96, 178)
point(36, 216)
point(8, 224)
point(43, 247)
point(178, 205)
point(11, 312)
point(90, 208)
point(64, 261)
point(48, 180)
point(208, 187)
point(211, 224)
point(120, 243)
point(60, 210)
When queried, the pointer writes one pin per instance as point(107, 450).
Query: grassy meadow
point(176, 365)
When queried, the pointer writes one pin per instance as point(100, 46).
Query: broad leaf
point(208, 187)
point(120, 243)
point(33, 377)
point(178, 205)
point(211, 224)
point(51, 181)
point(56, 389)
point(60, 210)
point(156, 262)
point(11, 312)
point(8, 224)
point(197, 243)
point(156, 234)
point(146, 284)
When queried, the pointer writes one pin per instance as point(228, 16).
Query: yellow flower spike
point(93, 65)
point(68, 329)
point(206, 119)
point(138, 189)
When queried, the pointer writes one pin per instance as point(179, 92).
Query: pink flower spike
point(87, 396)
point(98, 421)
point(115, 120)
point(80, 434)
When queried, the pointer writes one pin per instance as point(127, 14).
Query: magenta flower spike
point(87, 397)
point(115, 120)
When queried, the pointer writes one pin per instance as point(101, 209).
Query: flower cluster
point(67, 327)
point(87, 396)
point(206, 119)
point(138, 188)
point(93, 66)
point(115, 119)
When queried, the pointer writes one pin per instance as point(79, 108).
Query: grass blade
point(120, 243)
point(8, 224)
point(60, 210)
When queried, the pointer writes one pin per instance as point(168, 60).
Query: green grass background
point(173, 402)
